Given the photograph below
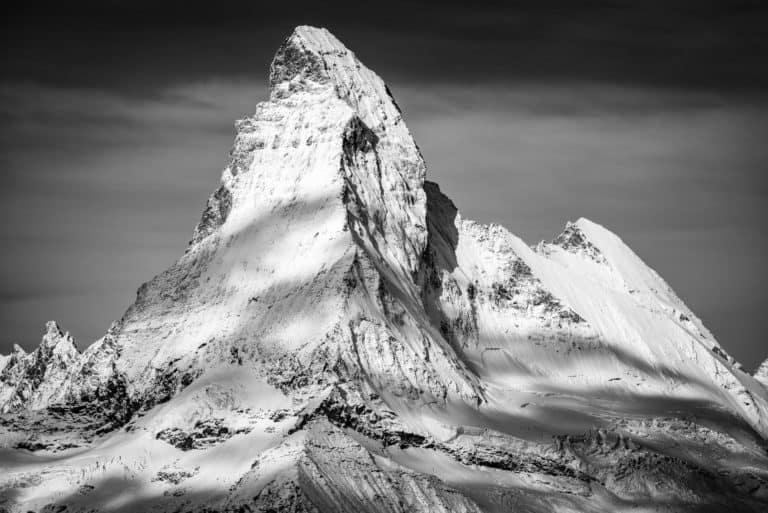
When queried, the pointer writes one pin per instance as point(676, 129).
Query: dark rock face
point(215, 213)
point(573, 239)
point(294, 62)
point(204, 434)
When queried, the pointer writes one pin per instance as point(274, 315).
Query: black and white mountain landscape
point(337, 337)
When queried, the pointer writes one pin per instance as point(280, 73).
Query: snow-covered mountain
point(337, 338)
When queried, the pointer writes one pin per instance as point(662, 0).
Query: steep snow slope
point(337, 338)
point(668, 335)
point(581, 316)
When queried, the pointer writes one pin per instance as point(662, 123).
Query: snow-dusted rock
point(337, 338)
point(35, 380)
point(761, 374)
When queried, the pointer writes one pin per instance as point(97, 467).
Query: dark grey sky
point(650, 118)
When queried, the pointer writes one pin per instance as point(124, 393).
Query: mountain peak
point(575, 240)
point(53, 329)
point(300, 59)
point(311, 76)
point(54, 337)
point(312, 58)
point(319, 38)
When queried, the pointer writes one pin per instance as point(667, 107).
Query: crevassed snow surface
point(337, 338)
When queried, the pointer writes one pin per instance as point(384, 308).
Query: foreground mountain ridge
point(337, 338)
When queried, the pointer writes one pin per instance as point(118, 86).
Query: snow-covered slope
point(337, 338)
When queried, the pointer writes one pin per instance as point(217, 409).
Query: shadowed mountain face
point(338, 338)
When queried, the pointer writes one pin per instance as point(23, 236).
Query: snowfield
point(337, 338)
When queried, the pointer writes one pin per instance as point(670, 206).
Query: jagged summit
point(54, 334)
point(35, 380)
point(574, 239)
point(338, 338)
point(312, 57)
point(302, 58)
